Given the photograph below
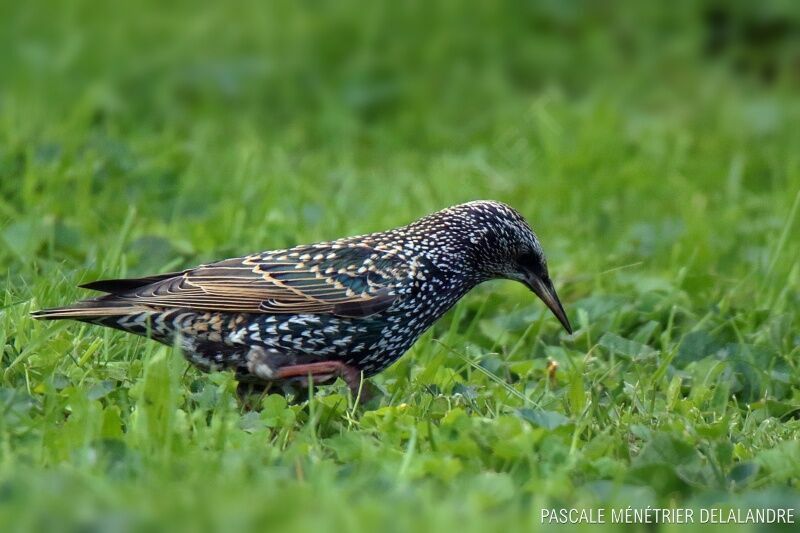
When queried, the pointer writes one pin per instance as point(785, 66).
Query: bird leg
point(245, 390)
point(270, 367)
point(322, 372)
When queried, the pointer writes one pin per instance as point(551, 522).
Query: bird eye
point(527, 259)
point(533, 263)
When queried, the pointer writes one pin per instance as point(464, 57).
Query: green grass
point(661, 171)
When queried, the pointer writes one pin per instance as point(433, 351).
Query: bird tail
point(111, 304)
point(89, 309)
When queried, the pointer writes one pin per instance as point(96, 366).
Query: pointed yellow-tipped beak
point(547, 293)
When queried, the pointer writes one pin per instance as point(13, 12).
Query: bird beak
point(547, 293)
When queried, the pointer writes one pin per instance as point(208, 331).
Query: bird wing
point(341, 279)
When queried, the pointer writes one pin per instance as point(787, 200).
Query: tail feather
point(111, 304)
point(89, 309)
point(119, 286)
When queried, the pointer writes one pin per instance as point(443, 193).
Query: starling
point(346, 308)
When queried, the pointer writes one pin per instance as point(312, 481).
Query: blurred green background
point(654, 148)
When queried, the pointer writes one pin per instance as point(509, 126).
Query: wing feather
point(345, 280)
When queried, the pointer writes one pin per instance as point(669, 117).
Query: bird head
point(508, 248)
point(530, 268)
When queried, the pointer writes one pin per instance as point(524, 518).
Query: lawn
point(655, 152)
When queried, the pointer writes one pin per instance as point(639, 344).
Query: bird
point(346, 308)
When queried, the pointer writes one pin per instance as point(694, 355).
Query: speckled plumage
point(361, 301)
